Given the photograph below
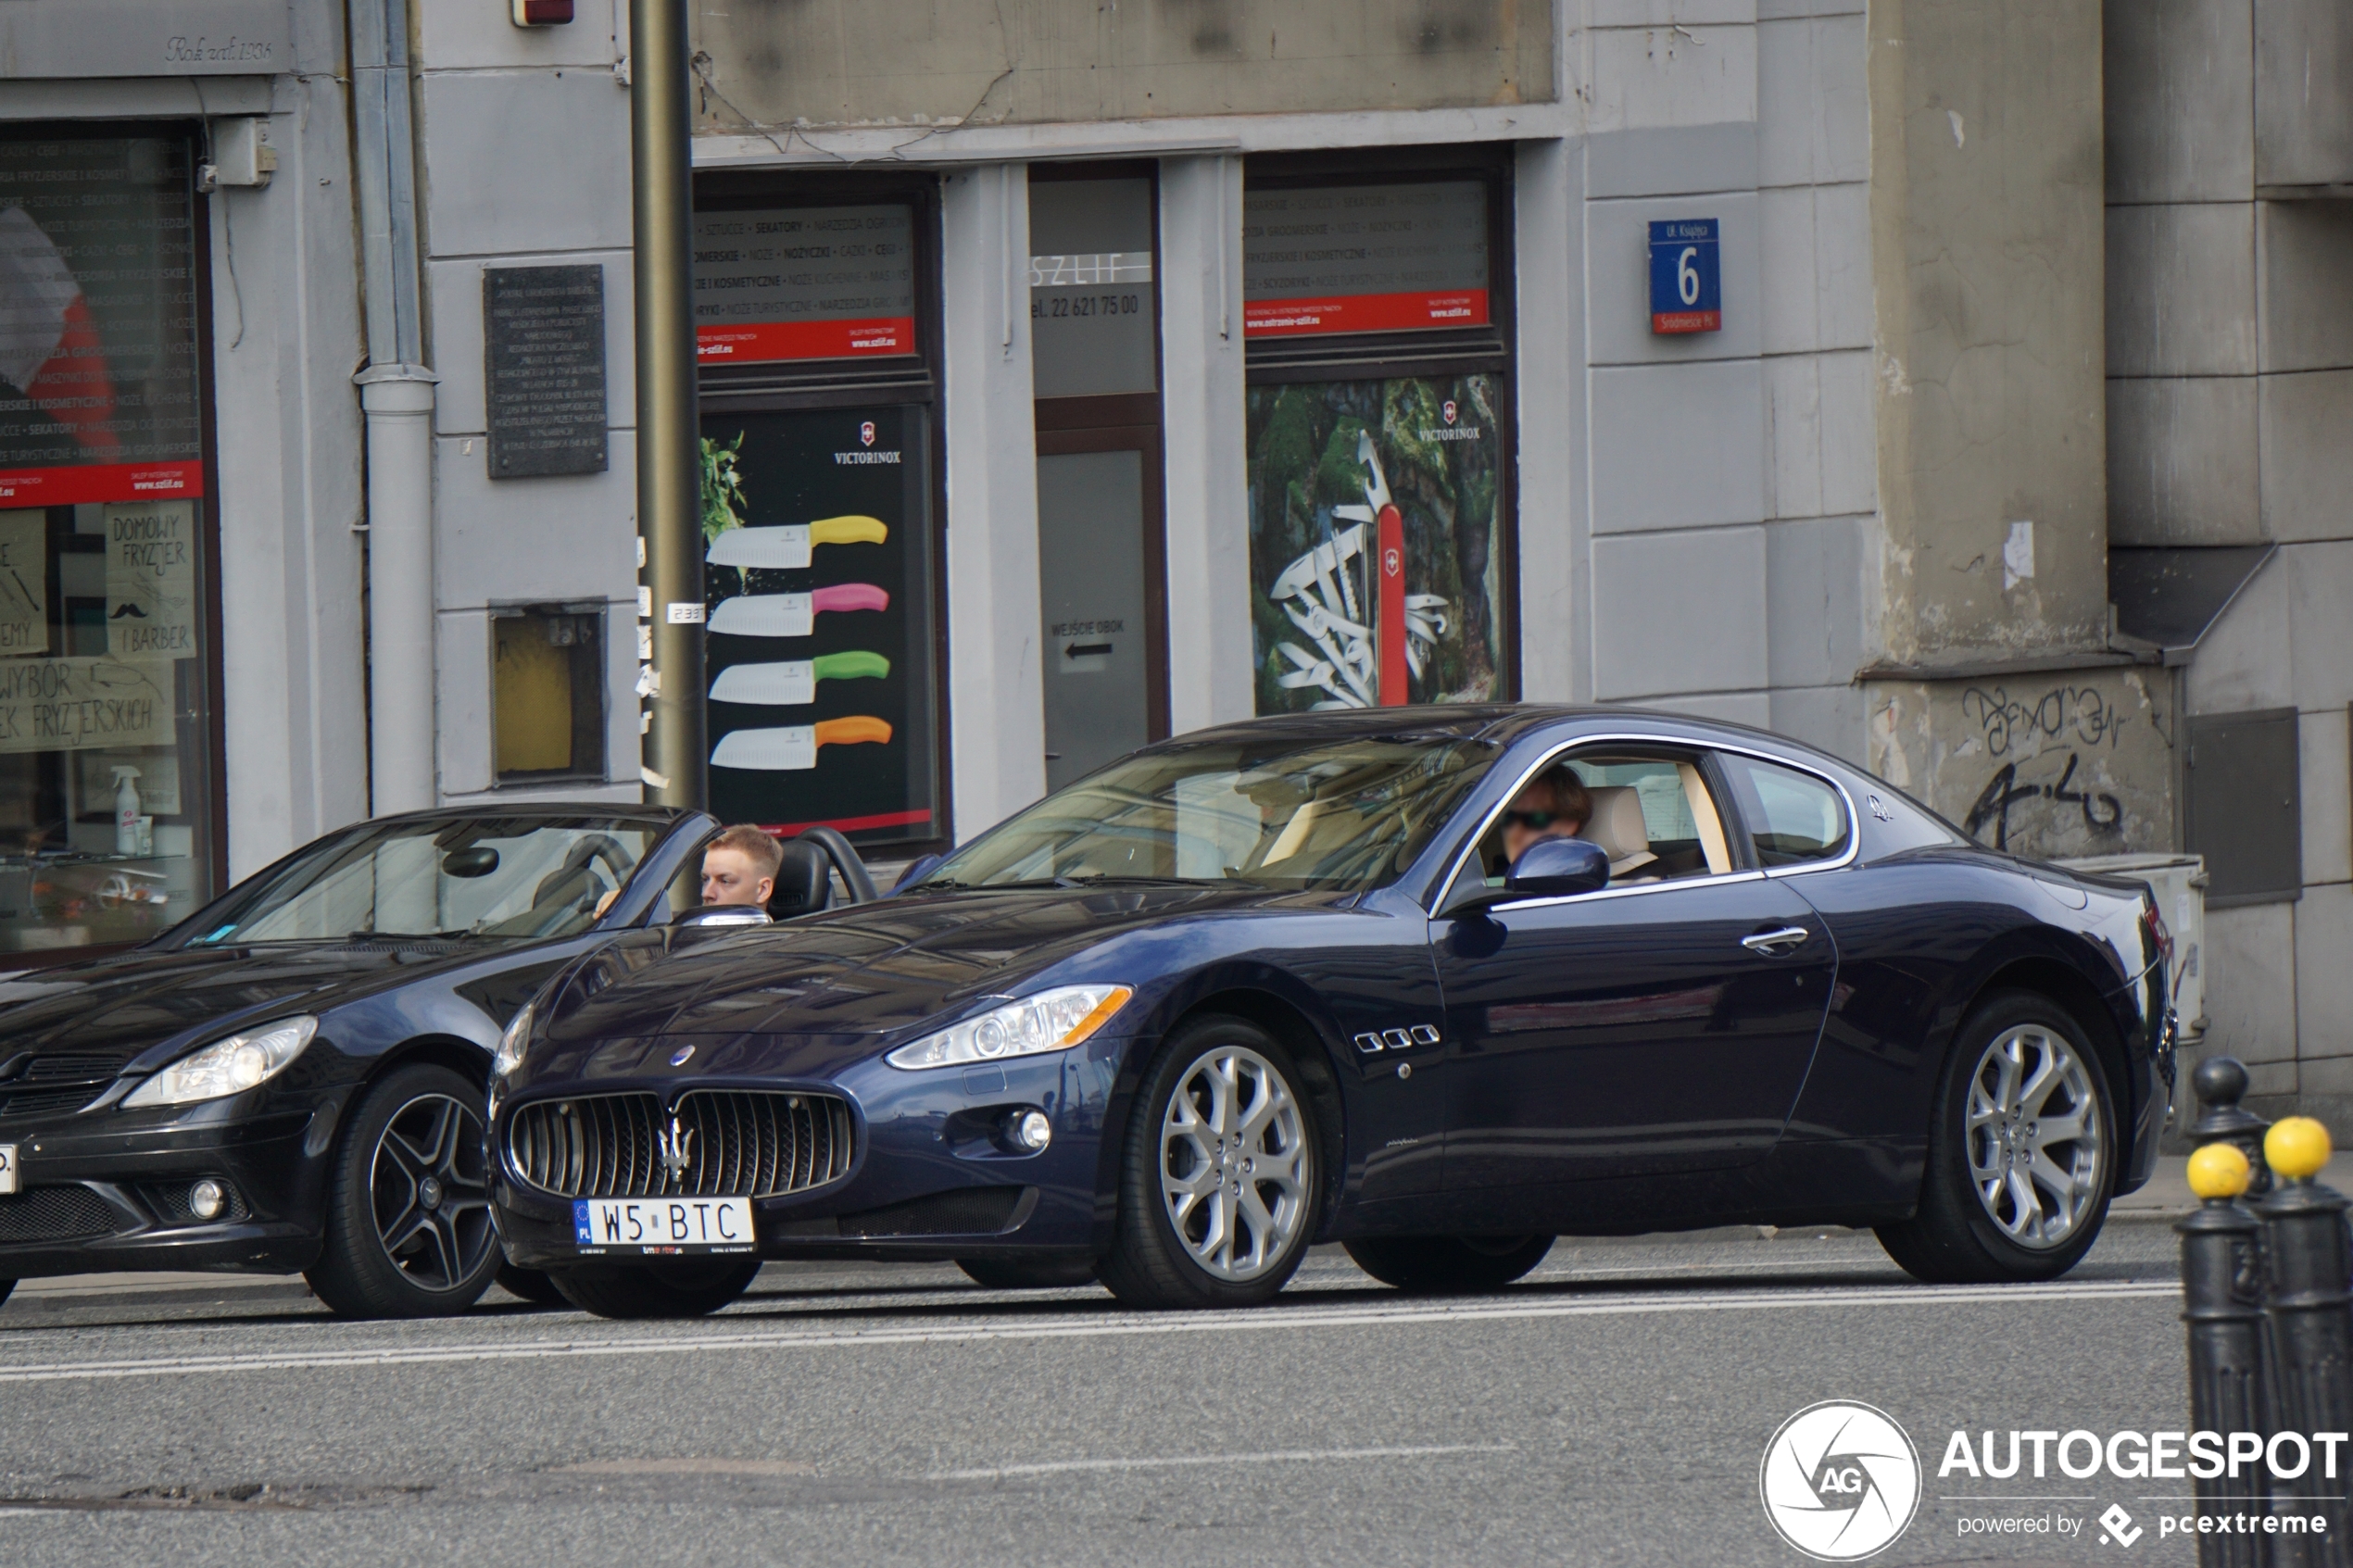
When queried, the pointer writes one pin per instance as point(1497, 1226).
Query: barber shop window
point(110, 823)
point(1793, 817)
point(548, 693)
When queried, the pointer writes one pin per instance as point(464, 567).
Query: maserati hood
point(870, 968)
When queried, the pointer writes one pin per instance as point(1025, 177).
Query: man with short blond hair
point(739, 866)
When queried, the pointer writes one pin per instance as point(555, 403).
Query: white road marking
point(1058, 1467)
point(1104, 1325)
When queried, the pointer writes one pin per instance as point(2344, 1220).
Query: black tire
point(6, 1286)
point(531, 1284)
point(396, 1247)
point(1959, 1237)
point(672, 1290)
point(1448, 1263)
point(1149, 1264)
point(1028, 1273)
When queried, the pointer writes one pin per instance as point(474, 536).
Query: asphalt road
point(1611, 1408)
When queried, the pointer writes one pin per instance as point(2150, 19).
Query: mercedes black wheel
point(2021, 1155)
point(1219, 1175)
point(671, 1290)
point(1028, 1273)
point(530, 1285)
point(1448, 1263)
point(409, 1231)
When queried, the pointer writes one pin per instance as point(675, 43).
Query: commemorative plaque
point(544, 369)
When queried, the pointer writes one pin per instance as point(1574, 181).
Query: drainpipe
point(396, 400)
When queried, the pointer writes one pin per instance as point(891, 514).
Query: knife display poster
point(821, 706)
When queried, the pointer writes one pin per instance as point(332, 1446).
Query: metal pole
point(2221, 1292)
point(669, 439)
point(2312, 1314)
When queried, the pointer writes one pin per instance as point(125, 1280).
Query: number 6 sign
point(1687, 287)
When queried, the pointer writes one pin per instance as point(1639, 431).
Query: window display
point(1375, 542)
point(106, 802)
point(818, 551)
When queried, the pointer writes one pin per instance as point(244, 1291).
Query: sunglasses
point(1539, 820)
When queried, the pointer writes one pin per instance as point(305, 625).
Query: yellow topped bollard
point(2220, 1171)
point(2297, 1147)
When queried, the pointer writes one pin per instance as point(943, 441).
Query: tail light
point(2153, 924)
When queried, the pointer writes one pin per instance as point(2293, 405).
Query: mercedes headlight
point(511, 1044)
point(1050, 1021)
point(227, 1067)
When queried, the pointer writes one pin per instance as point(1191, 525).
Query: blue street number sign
point(1687, 283)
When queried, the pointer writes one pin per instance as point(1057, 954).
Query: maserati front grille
point(716, 1143)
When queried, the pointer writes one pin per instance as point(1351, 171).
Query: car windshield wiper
point(412, 936)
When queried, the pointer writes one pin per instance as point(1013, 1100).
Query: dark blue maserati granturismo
point(1438, 983)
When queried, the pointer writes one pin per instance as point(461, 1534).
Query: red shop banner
point(757, 341)
point(87, 482)
point(1365, 313)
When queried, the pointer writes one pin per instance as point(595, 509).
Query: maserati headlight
point(511, 1042)
point(1050, 1021)
point(227, 1067)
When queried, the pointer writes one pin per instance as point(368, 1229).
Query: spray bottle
point(126, 810)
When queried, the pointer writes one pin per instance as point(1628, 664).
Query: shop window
point(109, 820)
point(816, 325)
point(2243, 810)
point(548, 693)
point(1378, 426)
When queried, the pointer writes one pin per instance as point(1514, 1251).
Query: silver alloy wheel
point(429, 1185)
point(1234, 1163)
point(2033, 1136)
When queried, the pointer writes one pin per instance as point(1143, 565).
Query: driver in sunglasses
point(1554, 805)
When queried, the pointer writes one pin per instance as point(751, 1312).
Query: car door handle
point(1773, 943)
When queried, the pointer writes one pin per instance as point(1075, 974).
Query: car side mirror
point(724, 914)
point(479, 860)
point(1555, 868)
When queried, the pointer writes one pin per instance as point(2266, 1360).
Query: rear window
point(1792, 817)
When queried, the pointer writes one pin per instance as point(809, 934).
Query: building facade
point(1956, 386)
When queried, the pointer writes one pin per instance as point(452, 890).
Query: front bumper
point(925, 1179)
point(96, 1196)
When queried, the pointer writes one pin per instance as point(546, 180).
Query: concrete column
point(397, 401)
point(1553, 527)
point(996, 700)
point(1209, 647)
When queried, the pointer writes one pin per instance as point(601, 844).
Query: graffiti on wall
point(2078, 764)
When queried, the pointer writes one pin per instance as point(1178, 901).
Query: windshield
point(490, 877)
point(1348, 814)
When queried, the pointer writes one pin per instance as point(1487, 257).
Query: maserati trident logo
point(677, 1149)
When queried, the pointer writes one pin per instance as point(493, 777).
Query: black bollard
point(2222, 1301)
point(2310, 1309)
point(2221, 1083)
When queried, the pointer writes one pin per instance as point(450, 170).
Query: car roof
point(1497, 722)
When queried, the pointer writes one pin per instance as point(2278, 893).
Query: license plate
point(7, 1167)
point(663, 1224)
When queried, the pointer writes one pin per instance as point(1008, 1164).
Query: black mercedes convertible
point(292, 1078)
point(1334, 977)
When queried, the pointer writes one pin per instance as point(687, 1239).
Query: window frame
point(1451, 892)
point(1748, 833)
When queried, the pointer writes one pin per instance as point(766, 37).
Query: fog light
point(205, 1200)
point(1032, 1131)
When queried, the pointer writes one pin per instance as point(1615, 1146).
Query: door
point(1662, 1024)
point(1097, 561)
point(1095, 364)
